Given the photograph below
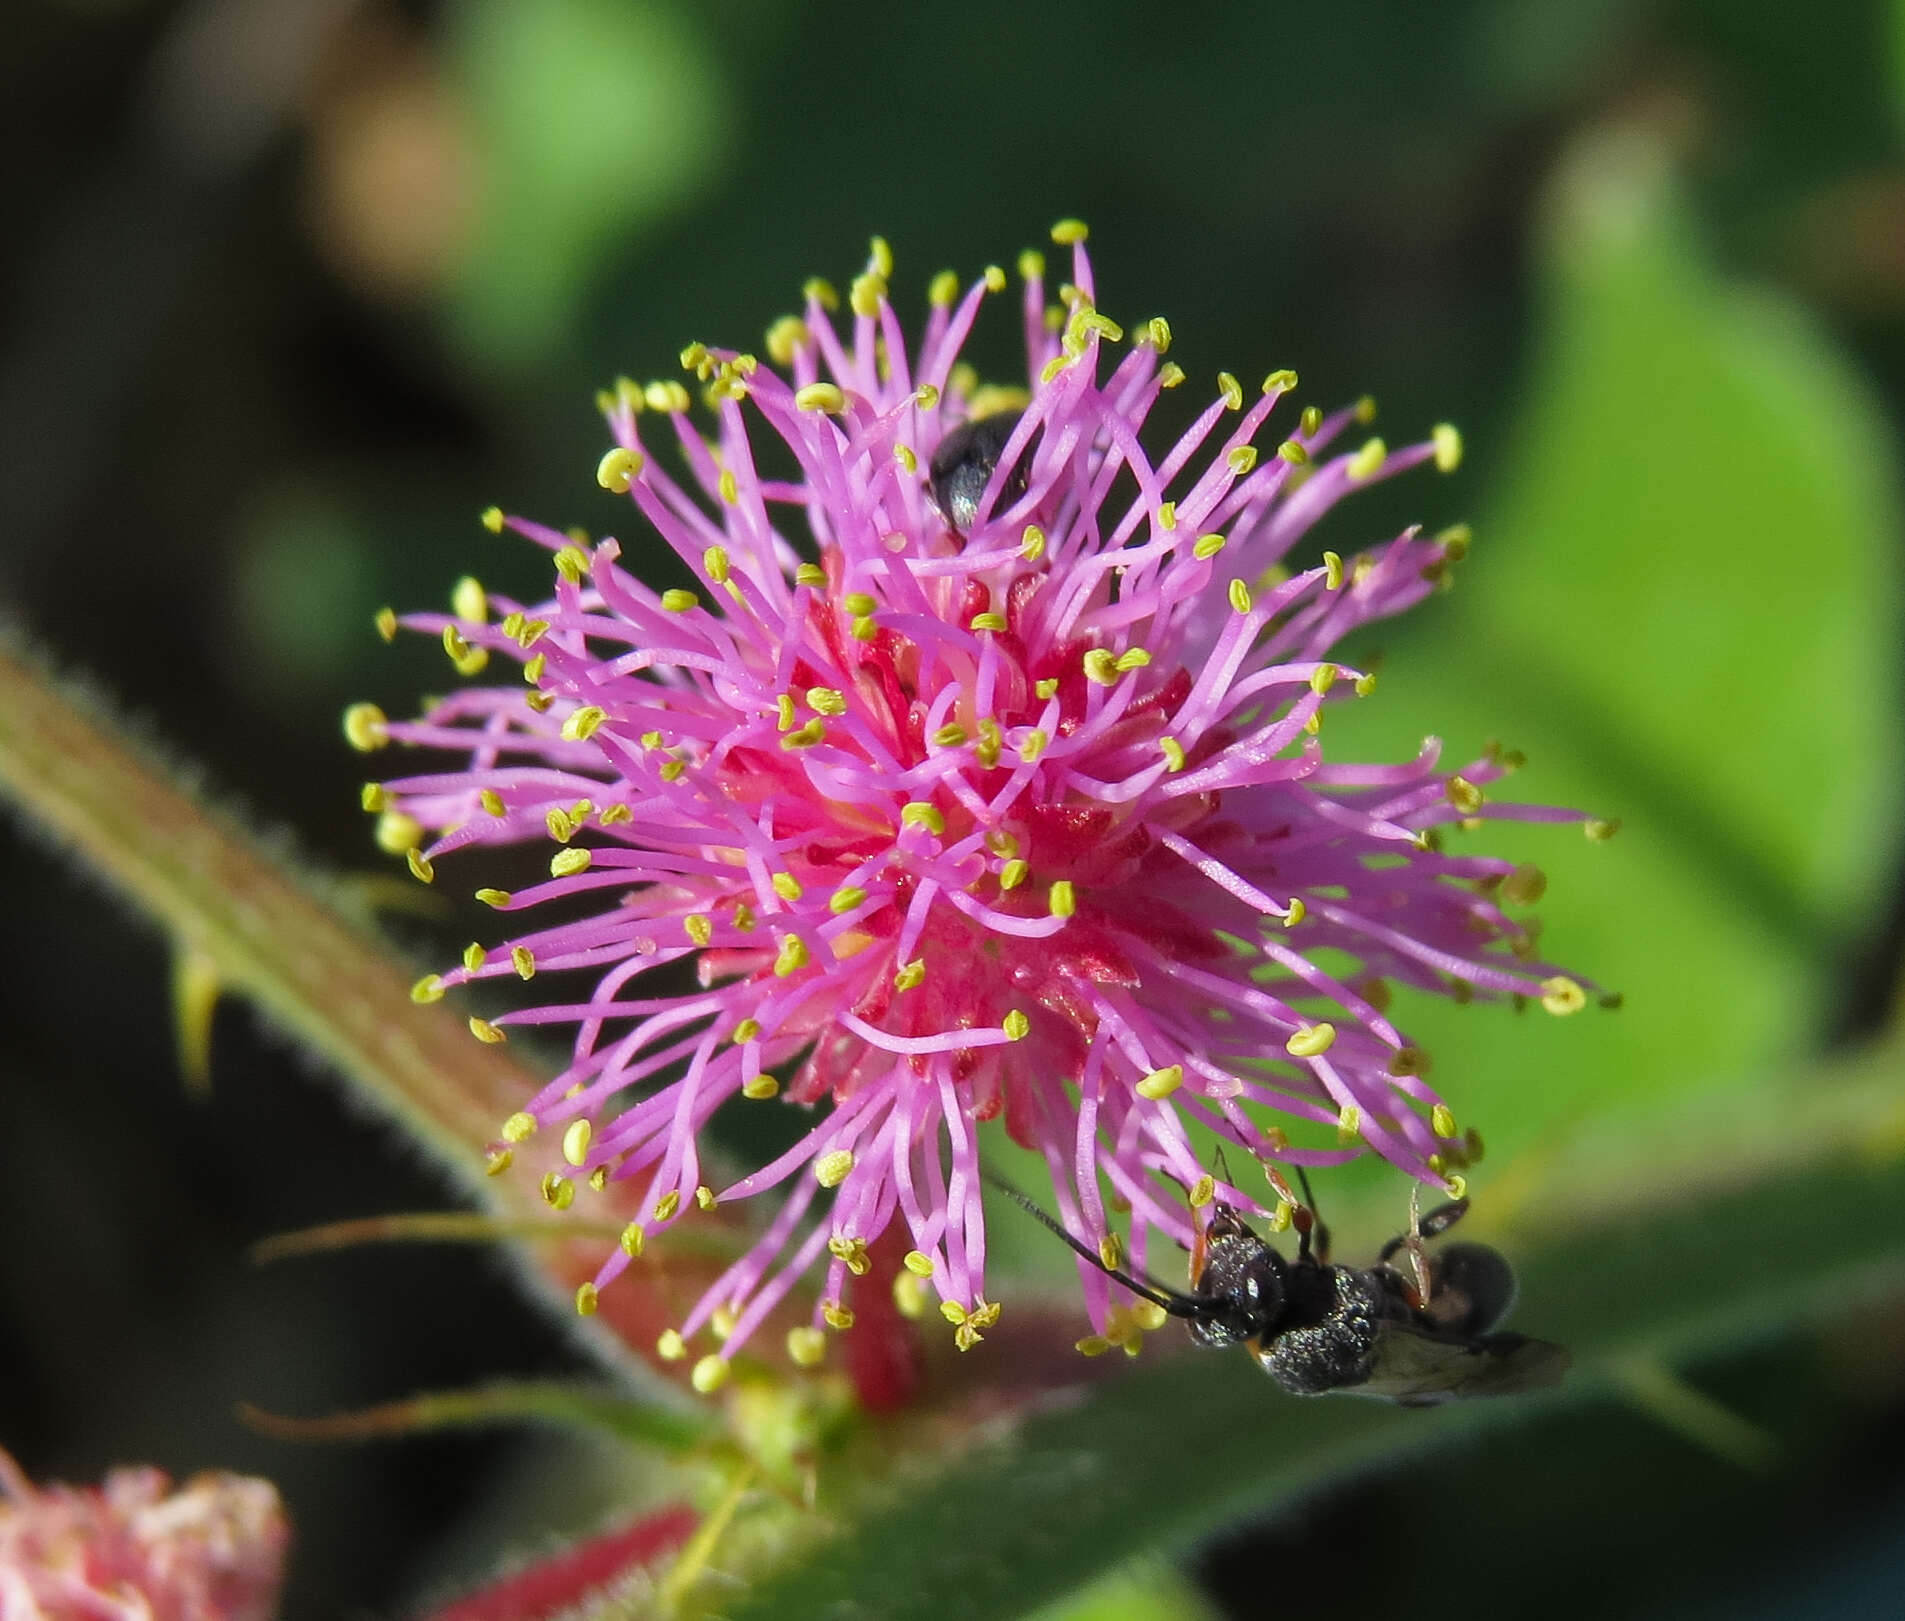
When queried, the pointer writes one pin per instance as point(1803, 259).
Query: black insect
point(1319, 1329)
point(963, 466)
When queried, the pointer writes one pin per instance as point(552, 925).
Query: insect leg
point(1311, 1233)
point(1433, 1225)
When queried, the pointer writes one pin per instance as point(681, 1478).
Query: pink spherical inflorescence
point(978, 775)
point(138, 1549)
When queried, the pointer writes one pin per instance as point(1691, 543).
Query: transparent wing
point(1417, 1369)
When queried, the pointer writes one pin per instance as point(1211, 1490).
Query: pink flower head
point(134, 1549)
point(980, 773)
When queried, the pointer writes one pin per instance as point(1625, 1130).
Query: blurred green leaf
point(1146, 1592)
point(594, 119)
point(1683, 606)
point(1151, 1461)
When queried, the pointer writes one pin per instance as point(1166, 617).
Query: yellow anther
point(1101, 666)
point(618, 469)
point(385, 619)
point(1060, 899)
point(668, 1205)
point(866, 293)
point(1016, 1025)
point(667, 396)
point(1161, 1083)
point(805, 737)
point(1170, 374)
point(1311, 1040)
point(949, 736)
point(845, 899)
point(851, 1250)
point(670, 1346)
point(1447, 440)
point(836, 1316)
point(428, 989)
point(1231, 390)
point(1282, 1217)
point(420, 867)
point(1067, 231)
point(984, 1313)
point(523, 960)
point(492, 520)
point(1032, 543)
point(1157, 333)
point(398, 833)
point(952, 1311)
point(986, 621)
point(1031, 264)
point(366, 728)
point(1464, 795)
point(1295, 913)
point(1365, 684)
point(556, 819)
point(918, 813)
point(1134, 658)
point(699, 928)
point(907, 457)
point(709, 1374)
point(831, 1169)
point(519, 1127)
point(695, 358)
point(760, 1087)
point(1282, 381)
point(678, 601)
point(1525, 885)
point(926, 396)
point(567, 863)
point(1455, 542)
point(806, 1346)
point(575, 1142)
point(1240, 596)
point(1600, 829)
point(943, 289)
point(823, 701)
point(1013, 873)
point(1332, 572)
point(558, 1191)
point(498, 1161)
point(1561, 996)
point(1092, 1345)
point(586, 1300)
point(468, 600)
point(1367, 462)
point(704, 1197)
point(1322, 678)
point(1173, 752)
point(487, 1033)
point(787, 886)
point(994, 278)
point(1047, 688)
point(1366, 410)
point(1203, 1190)
point(792, 956)
point(1442, 1120)
point(746, 1030)
point(1240, 459)
point(584, 723)
point(1349, 1124)
point(858, 603)
point(786, 338)
point(1033, 745)
point(820, 397)
point(1293, 453)
point(1055, 368)
point(910, 975)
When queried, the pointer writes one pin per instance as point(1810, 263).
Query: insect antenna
point(1178, 1305)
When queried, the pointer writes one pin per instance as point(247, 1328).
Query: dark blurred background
point(292, 289)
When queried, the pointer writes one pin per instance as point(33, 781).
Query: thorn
point(195, 988)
